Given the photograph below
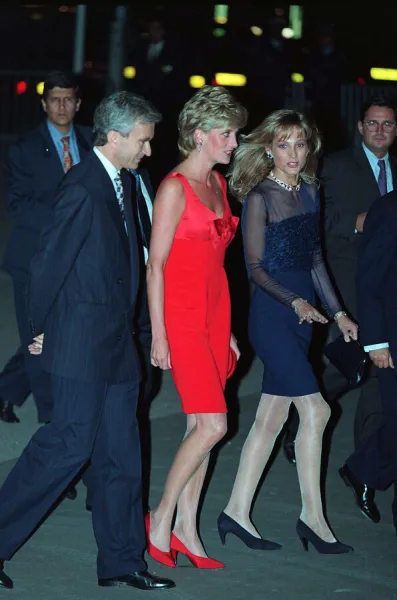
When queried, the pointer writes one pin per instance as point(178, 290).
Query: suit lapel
point(131, 228)
point(50, 153)
point(148, 184)
point(393, 168)
point(83, 145)
point(367, 173)
point(110, 199)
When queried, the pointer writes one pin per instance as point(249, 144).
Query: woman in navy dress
point(273, 173)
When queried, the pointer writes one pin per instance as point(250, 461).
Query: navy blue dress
point(283, 256)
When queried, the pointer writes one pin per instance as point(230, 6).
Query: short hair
point(61, 79)
point(381, 100)
point(121, 112)
point(209, 108)
point(251, 164)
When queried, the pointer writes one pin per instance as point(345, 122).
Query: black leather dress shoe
point(71, 493)
point(363, 494)
point(5, 581)
point(7, 412)
point(289, 450)
point(142, 580)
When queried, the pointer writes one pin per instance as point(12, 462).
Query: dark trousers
point(90, 420)
point(374, 461)
point(143, 340)
point(22, 374)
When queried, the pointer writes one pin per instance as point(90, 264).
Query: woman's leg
point(270, 417)
point(206, 432)
point(314, 414)
point(185, 527)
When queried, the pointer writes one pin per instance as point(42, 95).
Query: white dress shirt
point(149, 209)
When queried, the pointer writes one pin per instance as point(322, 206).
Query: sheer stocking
point(270, 417)
point(314, 413)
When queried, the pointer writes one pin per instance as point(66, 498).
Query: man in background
point(34, 168)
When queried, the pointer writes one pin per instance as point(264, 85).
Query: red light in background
point(361, 81)
point(214, 82)
point(21, 87)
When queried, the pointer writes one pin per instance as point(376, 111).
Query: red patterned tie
point(67, 157)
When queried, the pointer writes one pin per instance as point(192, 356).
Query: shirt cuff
point(376, 347)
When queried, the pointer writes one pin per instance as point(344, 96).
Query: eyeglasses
point(387, 126)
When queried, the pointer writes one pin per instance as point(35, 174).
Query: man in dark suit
point(83, 286)
point(353, 179)
point(34, 168)
point(374, 462)
point(142, 196)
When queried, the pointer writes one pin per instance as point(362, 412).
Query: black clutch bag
point(349, 358)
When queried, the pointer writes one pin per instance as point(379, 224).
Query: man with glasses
point(352, 180)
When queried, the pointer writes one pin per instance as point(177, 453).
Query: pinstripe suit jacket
point(84, 280)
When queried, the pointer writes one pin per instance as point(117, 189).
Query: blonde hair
point(209, 108)
point(250, 162)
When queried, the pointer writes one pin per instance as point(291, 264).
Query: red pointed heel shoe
point(165, 558)
point(200, 562)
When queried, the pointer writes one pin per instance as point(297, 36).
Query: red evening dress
point(197, 303)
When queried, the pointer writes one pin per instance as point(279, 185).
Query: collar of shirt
point(57, 135)
point(109, 167)
point(373, 160)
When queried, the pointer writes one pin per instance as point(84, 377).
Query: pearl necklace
point(286, 186)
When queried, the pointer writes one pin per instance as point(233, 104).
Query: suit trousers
point(22, 374)
point(143, 340)
point(90, 420)
point(374, 461)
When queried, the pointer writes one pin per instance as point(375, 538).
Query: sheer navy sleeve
point(322, 283)
point(254, 220)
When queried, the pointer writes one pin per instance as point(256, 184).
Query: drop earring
point(199, 147)
point(269, 155)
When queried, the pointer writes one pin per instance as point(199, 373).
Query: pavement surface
point(58, 562)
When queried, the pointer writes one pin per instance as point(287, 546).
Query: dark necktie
point(67, 157)
point(382, 181)
point(143, 213)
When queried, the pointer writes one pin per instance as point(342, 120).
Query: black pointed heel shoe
point(307, 535)
point(228, 525)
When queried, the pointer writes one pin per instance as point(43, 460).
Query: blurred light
point(40, 88)
point(361, 81)
point(279, 12)
point(63, 9)
point(256, 30)
point(21, 87)
point(36, 16)
point(167, 69)
point(219, 32)
point(383, 74)
point(214, 82)
point(287, 33)
point(221, 14)
point(197, 81)
point(297, 78)
point(129, 72)
point(295, 20)
point(88, 64)
point(232, 79)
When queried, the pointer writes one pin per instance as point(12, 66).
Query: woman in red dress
point(190, 309)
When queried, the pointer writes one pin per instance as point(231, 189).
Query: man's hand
point(360, 222)
point(37, 346)
point(382, 358)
